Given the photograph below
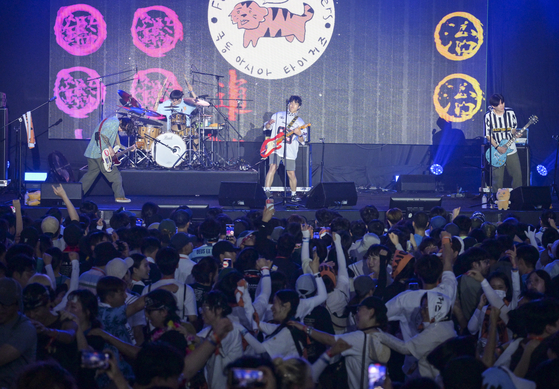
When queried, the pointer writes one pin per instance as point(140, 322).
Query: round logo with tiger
point(271, 39)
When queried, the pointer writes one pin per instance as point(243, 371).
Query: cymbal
point(144, 112)
point(127, 99)
point(196, 102)
point(150, 122)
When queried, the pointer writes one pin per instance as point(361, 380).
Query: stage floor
point(381, 199)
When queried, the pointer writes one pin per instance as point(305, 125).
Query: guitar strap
point(99, 139)
point(291, 123)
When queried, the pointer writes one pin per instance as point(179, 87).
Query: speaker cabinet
point(302, 169)
point(416, 183)
point(530, 198)
point(244, 194)
point(524, 157)
point(72, 189)
point(4, 147)
point(328, 194)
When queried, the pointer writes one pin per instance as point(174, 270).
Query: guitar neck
point(517, 135)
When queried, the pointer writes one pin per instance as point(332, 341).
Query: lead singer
point(277, 125)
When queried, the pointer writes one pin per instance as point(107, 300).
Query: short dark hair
point(340, 224)
point(109, 285)
point(496, 99)
point(473, 255)
point(204, 268)
point(376, 227)
point(421, 220)
point(429, 268)
point(105, 252)
point(324, 217)
point(45, 374)
point(533, 317)
point(150, 244)
point(157, 359)
point(176, 94)
point(218, 299)
point(286, 245)
point(296, 99)
point(464, 372)
point(119, 220)
point(368, 213)
point(464, 223)
point(210, 229)
point(181, 218)
point(19, 264)
point(167, 260)
point(528, 253)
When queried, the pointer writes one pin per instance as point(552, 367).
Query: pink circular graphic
point(156, 30)
point(80, 29)
point(147, 84)
point(76, 94)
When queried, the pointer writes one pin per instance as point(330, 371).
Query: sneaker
point(122, 200)
point(295, 199)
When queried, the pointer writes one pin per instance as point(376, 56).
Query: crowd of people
point(440, 300)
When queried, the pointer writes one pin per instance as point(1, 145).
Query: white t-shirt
point(137, 319)
point(354, 356)
point(185, 269)
point(182, 107)
point(230, 349)
point(405, 307)
point(186, 300)
point(293, 140)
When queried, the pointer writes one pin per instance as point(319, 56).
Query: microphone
point(57, 122)
point(52, 98)
point(139, 79)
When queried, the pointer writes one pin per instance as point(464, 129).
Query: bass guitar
point(109, 162)
point(275, 143)
point(497, 159)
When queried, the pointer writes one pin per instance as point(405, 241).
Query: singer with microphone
point(501, 124)
point(278, 124)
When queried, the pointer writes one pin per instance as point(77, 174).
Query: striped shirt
point(500, 126)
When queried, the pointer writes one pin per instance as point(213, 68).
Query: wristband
point(264, 275)
point(308, 330)
point(264, 268)
point(514, 269)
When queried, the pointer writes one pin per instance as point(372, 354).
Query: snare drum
point(168, 152)
point(150, 131)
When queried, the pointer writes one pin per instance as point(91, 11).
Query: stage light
point(541, 170)
point(436, 169)
point(396, 178)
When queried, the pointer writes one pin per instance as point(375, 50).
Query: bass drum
point(169, 151)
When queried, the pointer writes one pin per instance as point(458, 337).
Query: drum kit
point(176, 141)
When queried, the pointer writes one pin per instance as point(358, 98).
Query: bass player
point(278, 124)
point(105, 137)
point(500, 124)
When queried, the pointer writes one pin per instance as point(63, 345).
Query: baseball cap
point(50, 225)
point(305, 285)
point(437, 222)
point(168, 225)
point(181, 239)
point(368, 240)
point(118, 267)
point(244, 235)
point(276, 233)
point(35, 295)
point(223, 246)
point(363, 284)
point(10, 291)
point(452, 228)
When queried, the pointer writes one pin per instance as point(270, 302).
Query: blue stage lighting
point(541, 170)
point(436, 169)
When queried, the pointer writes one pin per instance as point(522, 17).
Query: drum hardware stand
point(102, 103)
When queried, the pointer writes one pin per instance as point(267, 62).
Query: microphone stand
point(285, 178)
point(554, 185)
point(18, 181)
point(322, 161)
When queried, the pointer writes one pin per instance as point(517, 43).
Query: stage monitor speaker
point(416, 183)
point(328, 194)
point(72, 189)
point(244, 194)
point(411, 205)
point(530, 198)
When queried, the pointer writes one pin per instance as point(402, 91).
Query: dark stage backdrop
point(378, 71)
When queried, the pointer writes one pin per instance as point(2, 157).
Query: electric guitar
point(497, 159)
point(275, 143)
point(109, 162)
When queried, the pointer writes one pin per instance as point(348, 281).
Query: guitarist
point(277, 124)
point(500, 124)
point(105, 136)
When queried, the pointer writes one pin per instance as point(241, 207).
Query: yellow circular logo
point(459, 36)
point(457, 97)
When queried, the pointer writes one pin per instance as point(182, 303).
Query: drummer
point(174, 105)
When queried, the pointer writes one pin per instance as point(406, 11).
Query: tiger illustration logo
point(262, 22)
